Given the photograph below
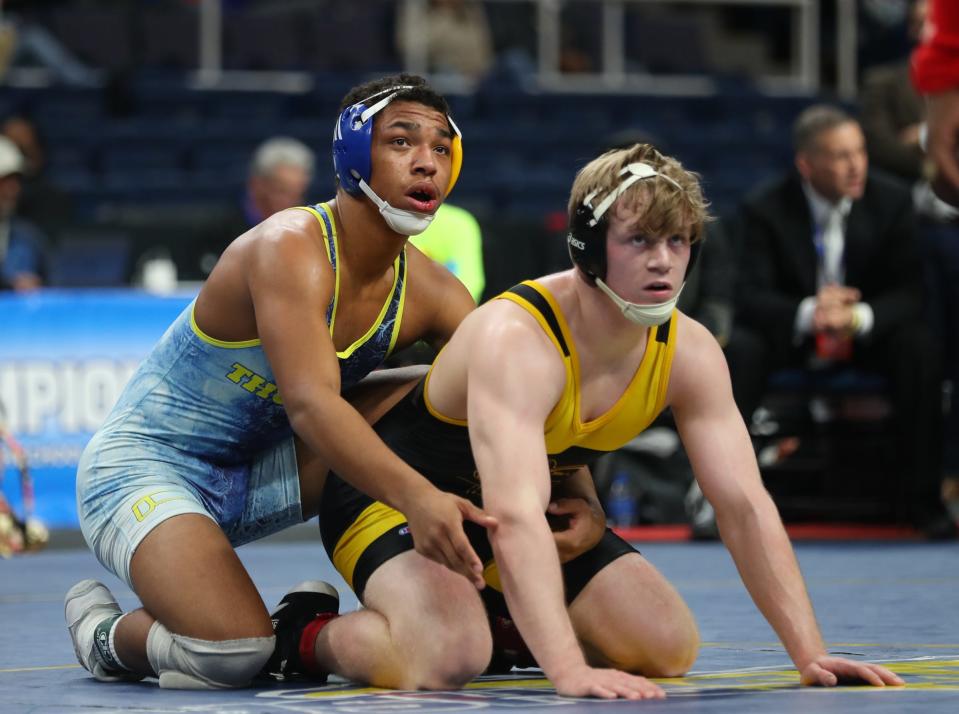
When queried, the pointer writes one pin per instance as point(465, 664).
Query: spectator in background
point(22, 245)
point(455, 35)
point(41, 201)
point(24, 42)
point(892, 117)
point(831, 272)
point(892, 111)
point(936, 74)
point(454, 240)
point(278, 178)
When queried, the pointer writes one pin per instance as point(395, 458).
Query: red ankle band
point(307, 648)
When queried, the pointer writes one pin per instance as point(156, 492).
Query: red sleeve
point(935, 63)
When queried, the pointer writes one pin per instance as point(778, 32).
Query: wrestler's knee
point(457, 653)
point(675, 651)
point(189, 663)
point(667, 649)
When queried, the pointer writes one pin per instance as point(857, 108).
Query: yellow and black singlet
point(636, 408)
point(439, 447)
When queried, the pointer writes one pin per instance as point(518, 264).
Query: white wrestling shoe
point(86, 605)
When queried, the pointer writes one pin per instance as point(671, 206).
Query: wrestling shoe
point(701, 515)
point(509, 648)
point(309, 605)
point(86, 605)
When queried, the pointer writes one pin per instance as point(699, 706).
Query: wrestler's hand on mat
point(436, 524)
point(828, 671)
point(577, 525)
point(585, 681)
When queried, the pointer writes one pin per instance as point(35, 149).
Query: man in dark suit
point(831, 272)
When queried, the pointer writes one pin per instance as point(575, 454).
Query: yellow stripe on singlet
point(491, 575)
point(435, 413)
point(215, 342)
point(375, 520)
point(399, 308)
point(326, 247)
point(379, 318)
point(257, 342)
point(319, 219)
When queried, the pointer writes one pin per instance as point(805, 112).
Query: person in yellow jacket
point(455, 241)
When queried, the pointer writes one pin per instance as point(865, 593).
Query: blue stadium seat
point(248, 105)
point(264, 40)
point(229, 157)
point(91, 259)
point(131, 158)
point(63, 107)
point(73, 178)
point(69, 156)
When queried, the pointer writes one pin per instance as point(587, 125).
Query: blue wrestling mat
point(893, 603)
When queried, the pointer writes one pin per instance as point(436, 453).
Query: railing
point(613, 76)
point(804, 74)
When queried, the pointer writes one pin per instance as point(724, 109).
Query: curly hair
point(421, 92)
point(662, 208)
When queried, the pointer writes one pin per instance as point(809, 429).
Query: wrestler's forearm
point(532, 583)
point(766, 561)
point(344, 440)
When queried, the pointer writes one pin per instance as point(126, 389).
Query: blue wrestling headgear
point(353, 136)
point(586, 241)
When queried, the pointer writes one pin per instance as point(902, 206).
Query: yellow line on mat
point(40, 669)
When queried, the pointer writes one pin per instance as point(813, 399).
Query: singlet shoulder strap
point(543, 310)
point(324, 217)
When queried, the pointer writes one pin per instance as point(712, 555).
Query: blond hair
point(662, 207)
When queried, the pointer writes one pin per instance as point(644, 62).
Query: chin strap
point(407, 223)
point(647, 315)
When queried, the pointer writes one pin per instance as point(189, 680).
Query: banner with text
point(64, 357)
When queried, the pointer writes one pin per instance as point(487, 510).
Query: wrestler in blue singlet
point(201, 428)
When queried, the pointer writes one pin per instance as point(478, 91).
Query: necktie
point(832, 248)
point(831, 347)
